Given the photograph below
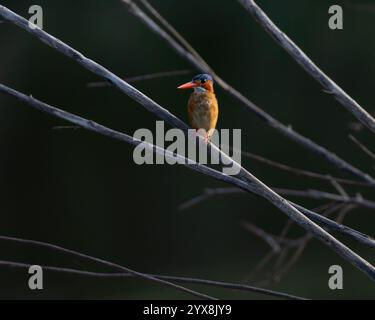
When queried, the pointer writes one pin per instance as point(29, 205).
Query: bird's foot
point(207, 138)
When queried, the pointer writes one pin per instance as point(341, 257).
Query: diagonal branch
point(288, 244)
point(317, 194)
point(335, 181)
point(285, 206)
point(333, 243)
point(325, 222)
point(362, 147)
point(244, 179)
point(265, 236)
point(308, 65)
point(303, 242)
point(300, 172)
point(250, 106)
point(143, 77)
point(176, 34)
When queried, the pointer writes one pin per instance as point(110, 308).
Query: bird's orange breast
point(203, 110)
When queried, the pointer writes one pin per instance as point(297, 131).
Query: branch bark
point(308, 65)
point(244, 179)
point(301, 172)
point(124, 273)
point(325, 222)
point(285, 130)
point(149, 76)
point(254, 186)
point(362, 147)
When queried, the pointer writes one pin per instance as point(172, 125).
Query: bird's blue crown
point(202, 77)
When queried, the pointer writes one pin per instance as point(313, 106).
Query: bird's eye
point(203, 81)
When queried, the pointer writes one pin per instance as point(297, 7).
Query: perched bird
point(203, 109)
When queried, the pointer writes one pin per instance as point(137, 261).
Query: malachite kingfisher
point(203, 109)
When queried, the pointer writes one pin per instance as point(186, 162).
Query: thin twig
point(244, 179)
point(281, 256)
point(220, 284)
point(144, 77)
point(265, 236)
point(316, 194)
point(250, 106)
point(110, 264)
point(332, 242)
point(120, 268)
point(345, 209)
point(304, 241)
point(66, 127)
point(300, 172)
point(281, 267)
point(308, 65)
point(339, 188)
point(362, 147)
point(325, 222)
point(175, 33)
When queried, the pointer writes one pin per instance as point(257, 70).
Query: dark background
point(83, 191)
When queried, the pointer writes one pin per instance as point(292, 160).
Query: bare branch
point(303, 242)
point(66, 127)
point(308, 65)
point(325, 222)
point(281, 256)
point(219, 284)
point(300, 172)
point(265, 236)
point(316, 194)
point(175, 33)
point(144, 77)
point(362, 147)
point(283, 264)
point(107, 263)
point(244, 179)
point(333, 243)
point(339, 188)
point(250, 106)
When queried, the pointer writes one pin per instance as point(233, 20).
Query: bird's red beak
point(188, 85)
